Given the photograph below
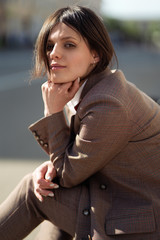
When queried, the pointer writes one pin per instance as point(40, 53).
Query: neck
point(82, 81)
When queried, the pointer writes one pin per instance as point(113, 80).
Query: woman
point(105, 164)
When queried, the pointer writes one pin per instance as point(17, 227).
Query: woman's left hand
point(42, 180)
point(56, 95)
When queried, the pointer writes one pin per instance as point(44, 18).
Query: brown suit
point(113, 152)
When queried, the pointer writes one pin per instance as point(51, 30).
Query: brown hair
point(84, 21)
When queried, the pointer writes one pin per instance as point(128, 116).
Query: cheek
point(81, 64)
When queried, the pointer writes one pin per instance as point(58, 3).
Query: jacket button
point(41, 142)
point(45, 145)
point(35, 133)
point(37, 137)
point(86, 212)
point(103, 187)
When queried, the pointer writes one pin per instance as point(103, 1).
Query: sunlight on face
point(69, 56)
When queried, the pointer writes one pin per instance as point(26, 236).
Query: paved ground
point(21, 104)
point(11, 172)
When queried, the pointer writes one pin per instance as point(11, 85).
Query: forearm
point(51, 129)
point(95, 144)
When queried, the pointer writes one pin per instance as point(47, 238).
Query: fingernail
point(48, 178)
point(54, 185)
point(79, 79)
point(51, 194)
point(51, 185)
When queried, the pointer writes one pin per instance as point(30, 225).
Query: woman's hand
point(56, 95)
point(42, 180)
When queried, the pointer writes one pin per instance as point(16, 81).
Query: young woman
point(103, 138)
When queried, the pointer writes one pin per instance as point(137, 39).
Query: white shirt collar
point(75, 100)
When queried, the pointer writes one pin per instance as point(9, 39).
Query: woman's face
point(68, 55)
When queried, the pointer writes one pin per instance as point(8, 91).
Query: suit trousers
point(21, 212)
point(48, 231)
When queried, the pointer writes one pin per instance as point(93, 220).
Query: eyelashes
point(49, 47)
point(69, 45)
point(66, 45)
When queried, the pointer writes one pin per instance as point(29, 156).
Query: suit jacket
point(112, 151)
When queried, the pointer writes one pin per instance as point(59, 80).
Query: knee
point(27, 186)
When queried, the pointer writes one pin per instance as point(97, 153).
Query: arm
point(45, 173)
point(104, 131)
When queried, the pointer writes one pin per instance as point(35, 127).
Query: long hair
point(87, 24)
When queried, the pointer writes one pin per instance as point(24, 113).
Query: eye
point(49, 47)
point(69, 45)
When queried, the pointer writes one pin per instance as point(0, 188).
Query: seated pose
point(102, 135)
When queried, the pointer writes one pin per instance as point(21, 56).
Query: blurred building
point(21, 20)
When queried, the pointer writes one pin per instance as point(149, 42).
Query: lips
point(56, 66)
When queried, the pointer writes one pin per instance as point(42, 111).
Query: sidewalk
point(11, 172)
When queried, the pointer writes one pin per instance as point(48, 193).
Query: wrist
point(48, 113)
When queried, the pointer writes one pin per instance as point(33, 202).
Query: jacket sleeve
point(103, 132)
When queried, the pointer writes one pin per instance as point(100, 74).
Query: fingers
point(75, 86)
point(69, 89)
point(44, 188)
point(41, 193)
point(61, 87)
point(51, 172)
point(39, 196)
point(42, 180)
point(56, 95)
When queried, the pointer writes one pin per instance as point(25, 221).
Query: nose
point(55, 53)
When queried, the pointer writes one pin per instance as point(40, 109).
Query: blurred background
point(134, 27)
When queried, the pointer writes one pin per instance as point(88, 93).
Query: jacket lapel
point(93, 80)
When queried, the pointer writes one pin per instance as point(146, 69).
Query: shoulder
point(105, 94)
point(106, 84)
point(114, 79)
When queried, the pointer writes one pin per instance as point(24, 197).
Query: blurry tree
point(154, 33)
point(3, 23)
point(121, 31)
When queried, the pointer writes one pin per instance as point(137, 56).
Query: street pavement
point(11, 172)
point(21, 104)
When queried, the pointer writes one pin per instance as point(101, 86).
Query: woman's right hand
point(56, 95)
point(42, 180)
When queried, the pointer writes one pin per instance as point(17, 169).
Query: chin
point(59, 81)
point(56, 79)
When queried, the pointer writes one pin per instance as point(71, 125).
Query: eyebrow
point(64, 38)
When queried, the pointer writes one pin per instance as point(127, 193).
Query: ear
point(95, 57)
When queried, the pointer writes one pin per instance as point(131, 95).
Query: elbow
point(68, 182)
